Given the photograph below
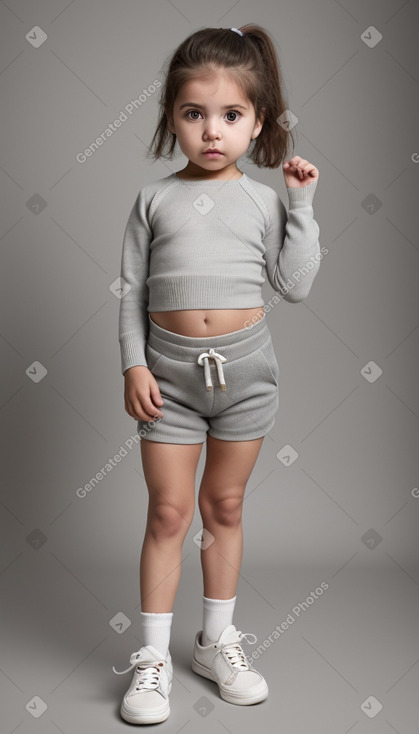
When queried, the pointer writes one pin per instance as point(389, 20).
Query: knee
point(225, 511)
point(167, 521)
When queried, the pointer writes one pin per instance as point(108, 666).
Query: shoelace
point(148, 673)
point(218, 359)
point(235, 653)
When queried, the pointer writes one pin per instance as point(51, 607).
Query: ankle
point(156, 629)
point(217, 615)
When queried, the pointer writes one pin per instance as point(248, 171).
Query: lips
point(213, 150)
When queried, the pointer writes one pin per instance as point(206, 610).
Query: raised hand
point(298, 172)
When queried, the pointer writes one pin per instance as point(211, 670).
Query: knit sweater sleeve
point(133, 314)
point(292, 244)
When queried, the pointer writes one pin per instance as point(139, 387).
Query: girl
point(197, 355)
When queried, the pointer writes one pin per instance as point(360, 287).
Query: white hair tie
point(237, 31)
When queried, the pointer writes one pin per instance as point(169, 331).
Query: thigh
point(228, 467)
point(169, 472)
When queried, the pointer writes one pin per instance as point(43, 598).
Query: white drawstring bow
point(218, 359)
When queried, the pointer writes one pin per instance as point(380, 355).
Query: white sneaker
point(147, 699)
point(225, 663)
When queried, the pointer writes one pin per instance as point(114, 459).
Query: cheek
point(188, 132)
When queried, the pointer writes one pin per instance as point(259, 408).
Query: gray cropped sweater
point(205, 244)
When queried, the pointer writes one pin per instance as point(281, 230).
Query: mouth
point(212, 151)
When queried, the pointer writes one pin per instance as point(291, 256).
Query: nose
point(211, 128)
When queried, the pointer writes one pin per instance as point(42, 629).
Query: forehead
point(214, 88)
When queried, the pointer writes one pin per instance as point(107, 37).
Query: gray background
point(345, 512)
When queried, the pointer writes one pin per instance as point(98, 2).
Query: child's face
point(213, 125)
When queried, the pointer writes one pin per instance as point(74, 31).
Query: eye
point(233, 112)
point(196, 112)
point(193, 112)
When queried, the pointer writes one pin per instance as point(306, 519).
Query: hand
point(142, 394)
point(298, 173)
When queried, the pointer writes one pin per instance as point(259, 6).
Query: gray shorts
point(226, 385)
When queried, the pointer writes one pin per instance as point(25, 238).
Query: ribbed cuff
point(302, 196)
point(216, 603)
point(132, 351)
point(156, 619)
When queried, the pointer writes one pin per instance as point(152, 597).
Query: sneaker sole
point(227, 695)
point(146, 717)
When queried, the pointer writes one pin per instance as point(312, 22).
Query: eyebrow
point(202, 107)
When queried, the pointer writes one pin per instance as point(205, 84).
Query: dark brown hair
point(252, 62)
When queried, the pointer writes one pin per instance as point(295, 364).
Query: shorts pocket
point(152, 356)
point(268, 354)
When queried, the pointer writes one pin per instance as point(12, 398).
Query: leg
point(227, 470)
point(169, 471)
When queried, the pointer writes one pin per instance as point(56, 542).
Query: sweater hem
point(184, 292)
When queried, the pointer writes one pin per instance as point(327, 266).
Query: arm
point(133, 315)
point(292, 244)
point(141, 391)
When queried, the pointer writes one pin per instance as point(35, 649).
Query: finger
point(140, 408)
point(313, 172)
point(149, 408)
point(298, 168)
point(296, 160)
point(155, 394)
point(142, 415)
point(308, 168)
point(304, 171)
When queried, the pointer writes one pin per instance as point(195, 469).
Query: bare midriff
point(207, 322)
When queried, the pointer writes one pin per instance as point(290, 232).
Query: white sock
point(217, 615)
point(156, 629)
